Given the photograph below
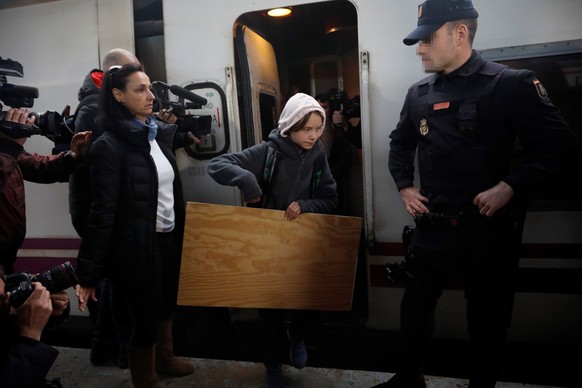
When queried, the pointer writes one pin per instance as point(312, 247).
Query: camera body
point(57, 127)
point(399, 272)
point(350, 108)
point(55, 280)
point(200, 126)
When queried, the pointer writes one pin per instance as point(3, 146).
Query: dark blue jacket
point(292, 177)
point(464, 126)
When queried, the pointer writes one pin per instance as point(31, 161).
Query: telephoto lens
point(58, 278)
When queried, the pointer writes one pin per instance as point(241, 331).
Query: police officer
point(463, 122)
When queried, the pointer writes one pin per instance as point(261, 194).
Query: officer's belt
point(457, 218)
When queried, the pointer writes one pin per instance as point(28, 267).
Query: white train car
point(245, 63)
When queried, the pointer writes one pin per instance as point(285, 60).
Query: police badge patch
point(423, 127)
point(542, 92)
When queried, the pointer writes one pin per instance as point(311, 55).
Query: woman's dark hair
point(110, 110)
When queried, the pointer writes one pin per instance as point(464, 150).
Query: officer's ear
point(461, 34)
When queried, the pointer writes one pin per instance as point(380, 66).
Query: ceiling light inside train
point(279, 12)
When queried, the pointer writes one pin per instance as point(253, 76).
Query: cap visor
point(421, 32)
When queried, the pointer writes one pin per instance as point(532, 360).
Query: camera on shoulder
point(198, 125)
point(57, 127)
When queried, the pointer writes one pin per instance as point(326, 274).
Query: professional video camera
point(198, 125)
point(55, 126)
point(55, 280)
point(350, 108)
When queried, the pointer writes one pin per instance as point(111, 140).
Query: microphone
point(188, 95)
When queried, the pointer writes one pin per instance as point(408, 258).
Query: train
point(245, 63)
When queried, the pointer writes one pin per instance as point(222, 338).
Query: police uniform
point(463, 127)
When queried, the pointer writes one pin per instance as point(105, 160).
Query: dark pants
point(104, 327)
point(275, 339)
point(140, 307)
point(482, 251)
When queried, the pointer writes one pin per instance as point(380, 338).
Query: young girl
point(289, 172)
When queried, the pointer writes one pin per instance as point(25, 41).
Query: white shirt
point(165, 215)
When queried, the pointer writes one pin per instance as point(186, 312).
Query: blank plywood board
point(247, 257)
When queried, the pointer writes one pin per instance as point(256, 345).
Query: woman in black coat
point(136, 222)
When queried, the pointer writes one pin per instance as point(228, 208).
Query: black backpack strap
point(270, 163)
point(268, 173)
point(316, 176)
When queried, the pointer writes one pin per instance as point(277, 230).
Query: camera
point(199, 125)
point(398, 272)
point(57, 127)
point(55, 280)
point(350, 108)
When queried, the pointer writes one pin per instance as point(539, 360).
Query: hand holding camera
point(60, 302)
point(32, 316)
point(21, 285)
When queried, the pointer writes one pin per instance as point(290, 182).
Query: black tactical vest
point(451, 116)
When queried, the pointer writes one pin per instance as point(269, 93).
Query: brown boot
point(166, 362)
point(141, 366)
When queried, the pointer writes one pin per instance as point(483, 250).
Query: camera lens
point(49, 122)
point(58, 278)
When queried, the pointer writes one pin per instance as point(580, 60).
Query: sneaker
point(274, 375)
point(297, 352)
point(401, 381)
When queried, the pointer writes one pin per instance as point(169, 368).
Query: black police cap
point(432, 14)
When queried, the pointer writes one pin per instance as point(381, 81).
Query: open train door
point(258, 88)
point(313, 50)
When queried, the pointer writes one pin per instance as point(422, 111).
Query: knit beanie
point(297, 107)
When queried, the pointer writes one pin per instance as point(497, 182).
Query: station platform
point(342, 353)
point(75, 370)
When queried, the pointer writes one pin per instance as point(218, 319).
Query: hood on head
point(297, 107)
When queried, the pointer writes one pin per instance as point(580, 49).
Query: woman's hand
point(84, 294)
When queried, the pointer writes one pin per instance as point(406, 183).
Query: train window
point(559, 67)
point(268, 112)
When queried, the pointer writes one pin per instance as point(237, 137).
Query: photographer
point(183, 136)
point(16, 166)
point(346, 115)
point(24, 360)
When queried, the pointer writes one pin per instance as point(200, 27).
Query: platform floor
point(75, 370)
point(342, 353)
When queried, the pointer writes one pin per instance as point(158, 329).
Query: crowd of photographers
point(26, 305)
